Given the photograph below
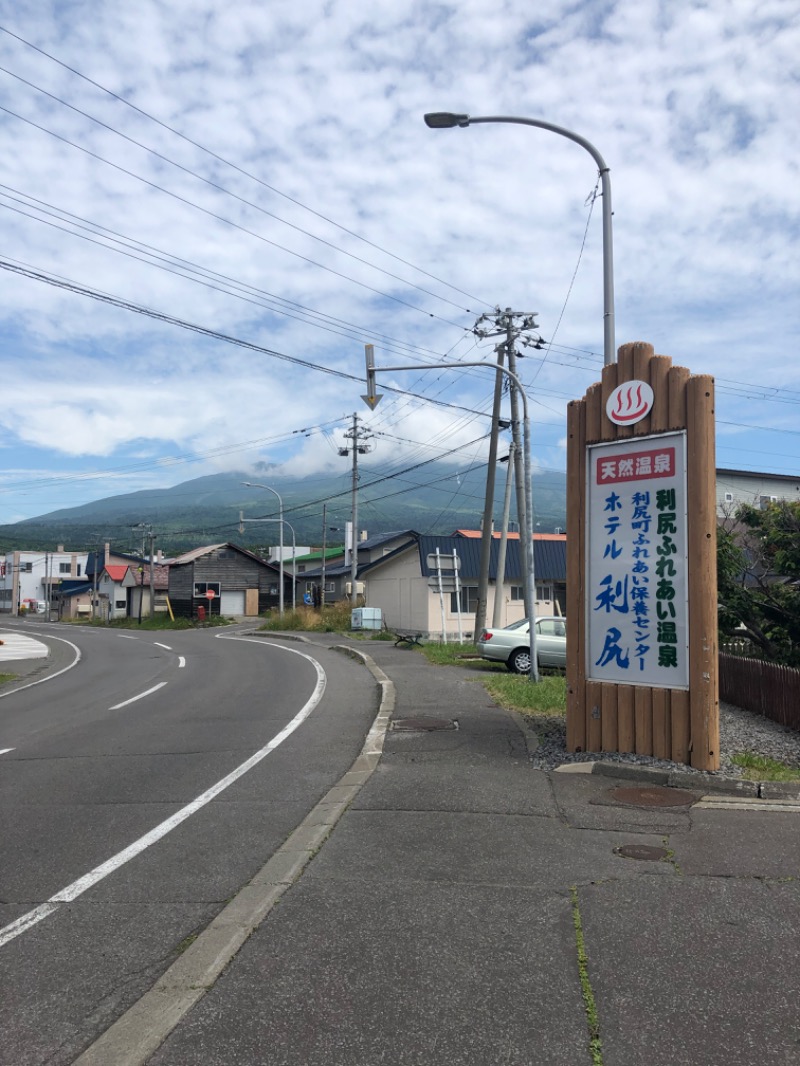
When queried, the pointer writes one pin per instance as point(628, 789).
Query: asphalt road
point(117, 849)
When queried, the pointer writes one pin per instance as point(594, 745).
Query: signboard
point(210, 594)
point(636, 555)
point(447, 582)
point(444, 562)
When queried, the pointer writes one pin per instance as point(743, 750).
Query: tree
point(758, 564)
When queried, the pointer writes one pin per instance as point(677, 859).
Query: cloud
point(320, 106)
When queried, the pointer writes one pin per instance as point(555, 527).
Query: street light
point(442, 120)
point(253, 485)
point(526, 431)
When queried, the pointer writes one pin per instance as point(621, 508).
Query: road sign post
point(371, 399)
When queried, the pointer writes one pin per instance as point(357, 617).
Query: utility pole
point(356, 435)
point(324, 550)
point(152, 576)
point(510, 325)
point(500, 576)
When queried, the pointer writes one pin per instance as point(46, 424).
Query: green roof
point(330, 553)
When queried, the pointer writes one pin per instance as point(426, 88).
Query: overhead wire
point(235, 166)
point(226, 221)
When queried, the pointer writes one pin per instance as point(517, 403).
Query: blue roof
point(549, 557)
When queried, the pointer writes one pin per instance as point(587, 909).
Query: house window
point(543, 592)
point(26, 568)
point(465, 601)
point(202, 587)
point(728, 497)
point(120, 604)
point(63, 568)
point(330, 586)
point(79, 570)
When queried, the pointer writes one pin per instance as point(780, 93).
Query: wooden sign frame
point(674, 724)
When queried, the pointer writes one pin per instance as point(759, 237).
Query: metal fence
point(762, 687)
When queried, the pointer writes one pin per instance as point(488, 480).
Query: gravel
point(739, 730)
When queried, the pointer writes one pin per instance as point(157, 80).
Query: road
point(140, 789)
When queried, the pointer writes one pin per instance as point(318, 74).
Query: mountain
point(204, 510)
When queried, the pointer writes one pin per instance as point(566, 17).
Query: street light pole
point(253, 485)
point(438, 120)
point(530, 583)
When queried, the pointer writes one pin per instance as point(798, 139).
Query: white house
point(403, 584)
point(737, 487)
point(28, 577)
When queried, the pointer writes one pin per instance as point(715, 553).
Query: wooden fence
point(762, 687)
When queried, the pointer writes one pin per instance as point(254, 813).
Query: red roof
point(116, 571)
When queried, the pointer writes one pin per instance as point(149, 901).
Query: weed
point(4, 678)
point(187, 943)
point(763, 768)
point(592, 1017)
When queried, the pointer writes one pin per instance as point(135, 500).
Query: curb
point(731, 786)
point(137, 1034)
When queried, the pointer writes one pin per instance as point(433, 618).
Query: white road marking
point(181, 662)
point(141, 696)
point(5, 751)
point(77, 888)
point(126, 636)
point(16, 646)
point(49, 677)
point(162, 645)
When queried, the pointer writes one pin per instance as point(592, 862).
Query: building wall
point(407, 603)
point(401, 593)
point(17, 584)
point(235, 572)
point(735, 488)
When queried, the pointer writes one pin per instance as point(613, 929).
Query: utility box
point(366, 618)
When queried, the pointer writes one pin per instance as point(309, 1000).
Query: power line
point(227, 192)
point(160, 316)
point(235, 167)
point(223, 219)
point(157, 253)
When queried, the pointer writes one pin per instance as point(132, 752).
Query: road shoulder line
point(138, 1033)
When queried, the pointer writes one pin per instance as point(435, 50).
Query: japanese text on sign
point(637, 567)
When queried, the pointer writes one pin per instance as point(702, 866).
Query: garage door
point(232, 602)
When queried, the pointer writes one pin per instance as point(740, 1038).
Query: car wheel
point(519, 662)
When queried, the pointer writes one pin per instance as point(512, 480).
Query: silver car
point(512, 645)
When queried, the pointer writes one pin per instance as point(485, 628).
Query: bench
point(408, 638)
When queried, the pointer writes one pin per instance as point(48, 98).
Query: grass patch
point(763, 768)
point(457, 655)
point(548, 697)
point(5, 678)
point(160, 622)
point(335, 619)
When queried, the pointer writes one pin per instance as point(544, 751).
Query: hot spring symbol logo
point(629, 403)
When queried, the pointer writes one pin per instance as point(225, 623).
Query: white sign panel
point(637, 589)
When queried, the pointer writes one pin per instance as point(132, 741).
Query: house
point(338, 572)
point(737, 487)
point(31, 576)
point(242, 583)
point(403, 583)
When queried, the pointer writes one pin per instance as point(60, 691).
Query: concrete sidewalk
point(467, 909)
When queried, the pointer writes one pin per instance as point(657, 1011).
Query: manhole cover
point(655, 796)
point(641, 851)
point(422, 724)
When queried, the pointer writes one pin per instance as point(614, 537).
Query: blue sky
point(300, 204)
